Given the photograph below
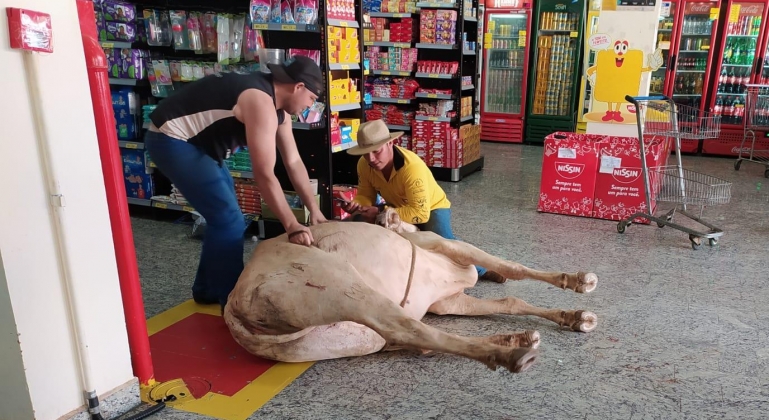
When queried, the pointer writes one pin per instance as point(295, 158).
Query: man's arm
point(261, 127)
point(297, 172)
point(417, 211)
point(366, 195)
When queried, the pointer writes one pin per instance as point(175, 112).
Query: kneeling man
point(404, 181)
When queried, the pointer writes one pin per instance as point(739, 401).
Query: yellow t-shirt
point(411, 189)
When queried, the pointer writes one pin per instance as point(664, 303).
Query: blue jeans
point(440, 223)
point(209, 188)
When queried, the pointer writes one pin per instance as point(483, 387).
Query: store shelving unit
point(468, 66)
point(313, 139)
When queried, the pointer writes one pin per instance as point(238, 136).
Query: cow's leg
point(461, 304)
point(466, 254)
point(322, 289)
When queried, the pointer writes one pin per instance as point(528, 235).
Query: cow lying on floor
point(361, 289)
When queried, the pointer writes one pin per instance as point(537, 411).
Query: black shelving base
point(457, 174)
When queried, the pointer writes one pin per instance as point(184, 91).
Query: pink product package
point(306, 11)
point(117, 31)
point(260, 11)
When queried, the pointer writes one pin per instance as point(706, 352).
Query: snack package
point(275, 11)
point(306, 11)
point(253, 38)
point(286, 14)
point(223, 38)
point(118, 11)
point(117, 31)
point(260, 11)
point(238, 24)
point(178, 28)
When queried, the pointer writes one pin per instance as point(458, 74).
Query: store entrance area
point(680, 332)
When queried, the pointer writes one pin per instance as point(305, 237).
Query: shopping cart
point(756, 118)
point(660, 116)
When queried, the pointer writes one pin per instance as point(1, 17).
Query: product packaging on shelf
point(126, 63)
point(619, 188)
point(343, 45)
point(354, 123)
point(569, 168)
point(438, 26)
point(118, 11)
point(346, 193)
point(340, 9)
point(118, 31)
point(138, 180)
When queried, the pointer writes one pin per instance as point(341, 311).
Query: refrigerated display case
point(585, 89)
point(554, 69)
point(743, 30)
point(505, 73)
point(690, 69)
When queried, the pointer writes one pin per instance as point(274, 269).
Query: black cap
point(299, 68)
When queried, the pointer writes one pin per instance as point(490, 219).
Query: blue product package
point(138, 183)
point(346, 134)
point(125, 124)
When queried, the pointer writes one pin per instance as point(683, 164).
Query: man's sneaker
point(493, 276)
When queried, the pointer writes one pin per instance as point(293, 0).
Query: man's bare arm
point(255, 110)
point(297, 172)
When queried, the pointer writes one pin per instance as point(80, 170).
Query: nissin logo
point(626, 175)
point(569, 170)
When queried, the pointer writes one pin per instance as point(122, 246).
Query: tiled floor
point(681, 333)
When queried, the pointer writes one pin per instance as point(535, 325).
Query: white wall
point(27, 242)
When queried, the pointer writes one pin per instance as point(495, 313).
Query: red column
point(112, 168)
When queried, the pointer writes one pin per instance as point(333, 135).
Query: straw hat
point(371, 136)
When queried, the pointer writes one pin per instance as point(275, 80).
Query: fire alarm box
point(29, 30)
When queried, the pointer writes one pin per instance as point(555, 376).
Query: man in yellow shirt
point(404, 181)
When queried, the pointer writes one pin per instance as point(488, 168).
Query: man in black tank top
point(197, 127)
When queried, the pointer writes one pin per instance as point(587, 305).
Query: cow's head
point(389, 219)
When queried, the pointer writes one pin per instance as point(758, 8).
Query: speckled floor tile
point(681, 332)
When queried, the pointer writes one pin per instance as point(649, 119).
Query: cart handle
point(635, 99)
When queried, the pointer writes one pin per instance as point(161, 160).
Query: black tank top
point(201, 112)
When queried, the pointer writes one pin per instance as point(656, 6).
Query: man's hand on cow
point(369, 213)
point(299, 234)
point(351, 207)
point(317, 218)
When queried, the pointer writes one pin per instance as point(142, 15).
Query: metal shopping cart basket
point(660, 116)
point(756, 118)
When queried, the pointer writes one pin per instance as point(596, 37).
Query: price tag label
point(492, 25)
point(288, 27)
point(734, 13)
point(152, 165)
point(160, 205)
point(188, 208)
point(236, 174)
point(343, 23)
point(107, 45)
point(131, 146)
point(487, 36)
point(400, 15)
point(434, 76)
point(403, 101)
point(261, 26)
point(386, 73)
point(574, 34)
point(433, 119)
point(521, 38)
point(345, 67)
point(432, 95)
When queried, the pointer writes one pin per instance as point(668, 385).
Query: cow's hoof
point(523, 359)
point(585, 321)
point(528, 338)
point(586, 282)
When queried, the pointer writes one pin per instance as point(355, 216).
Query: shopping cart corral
point(660, 116)
point(756, 119)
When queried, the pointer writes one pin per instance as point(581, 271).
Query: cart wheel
point(621, 226)
point(737, 164)
point(696, 242)
point(713, 241)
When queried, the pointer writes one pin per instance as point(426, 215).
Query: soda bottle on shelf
point(722, 79)
point(718, 107)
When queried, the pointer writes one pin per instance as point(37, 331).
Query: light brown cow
point(362, 288)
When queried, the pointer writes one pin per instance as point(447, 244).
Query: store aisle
point(680, 331)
